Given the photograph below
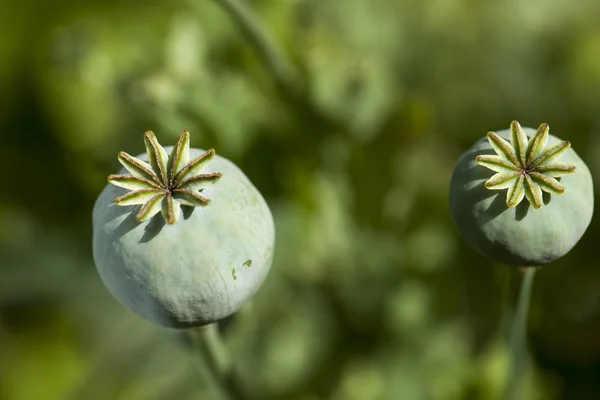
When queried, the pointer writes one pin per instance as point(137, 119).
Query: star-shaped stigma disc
point(524, 166)
point(165, 182)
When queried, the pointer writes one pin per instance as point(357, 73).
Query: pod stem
point(252, 29)
point(213, 351)
point(518, 336)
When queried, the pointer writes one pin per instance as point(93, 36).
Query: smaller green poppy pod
point(183, 240)
point(521, 197)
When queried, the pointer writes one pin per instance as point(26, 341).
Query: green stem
point(518, 337)
point(210, 343)
point(248, 22)
point(214, 353)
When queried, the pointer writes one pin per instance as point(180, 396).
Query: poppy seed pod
point(181, 243)
point(521, 197)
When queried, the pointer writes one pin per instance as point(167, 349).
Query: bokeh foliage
point(372, 295)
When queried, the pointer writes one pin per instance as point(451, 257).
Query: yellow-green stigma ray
point(179, 156)
point(156, 156)
point(151, 208)
point(194, 166)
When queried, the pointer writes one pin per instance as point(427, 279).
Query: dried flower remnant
point(525, 167)
point(166, 182)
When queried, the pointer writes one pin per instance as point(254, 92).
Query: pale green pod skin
point(197, 271)
point(522, 235)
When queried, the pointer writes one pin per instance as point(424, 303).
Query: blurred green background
point(372, 294)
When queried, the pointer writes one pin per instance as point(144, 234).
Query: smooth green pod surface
point(197, 271)
point(520, 236)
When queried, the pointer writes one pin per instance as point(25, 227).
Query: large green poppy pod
point(515, 202)
point(182, 243)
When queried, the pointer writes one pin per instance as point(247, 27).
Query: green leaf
point(533, 193)
point(556, 169)
point(137, 167)
point(515, 193)
point(157, 156)
point(537, 144)
point(132, 182)
point(200, 181)
point(551, 154)
point(502, 148)
point(180, 156)
point(195, 166)
point(547, 183)
point(496, 163)
point(519, 141)
point(137, 197)
point(502, 181)
point(150, 208)
point(170, 210)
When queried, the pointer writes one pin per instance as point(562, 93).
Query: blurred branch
point(286, 78)
point(278, 65)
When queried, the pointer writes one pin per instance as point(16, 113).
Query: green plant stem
point(518, 336)
point(248, 22)
point(210, 343)
point(215, 355)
